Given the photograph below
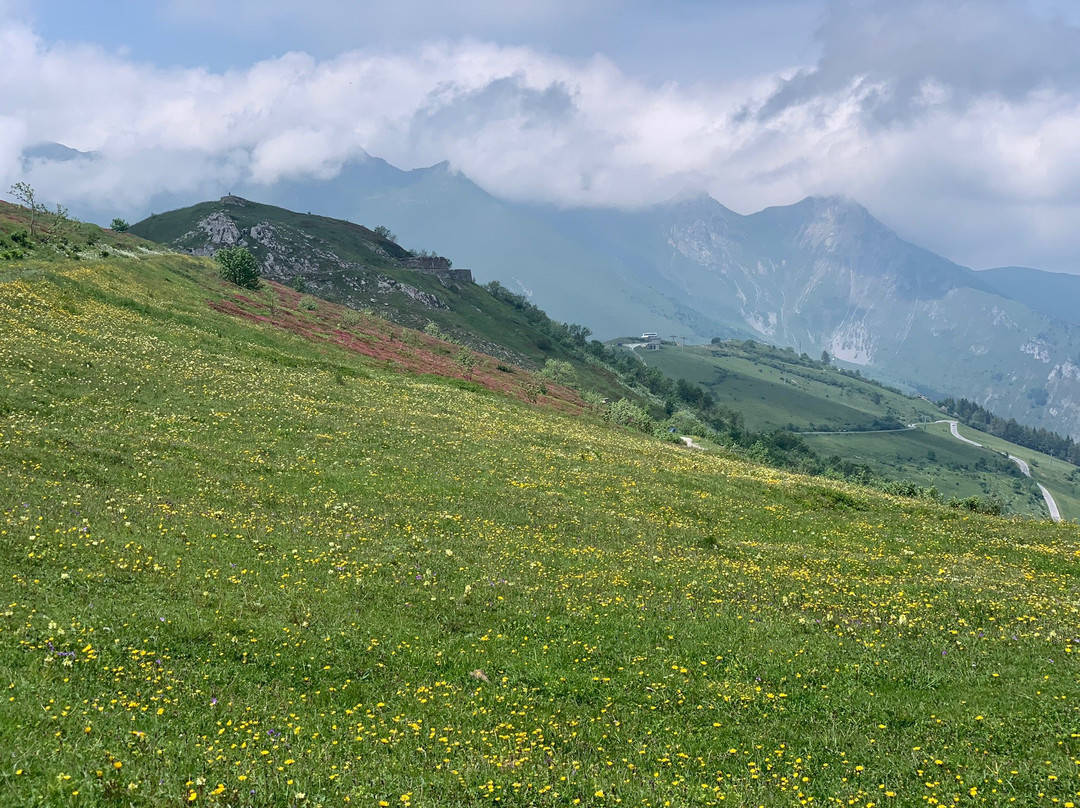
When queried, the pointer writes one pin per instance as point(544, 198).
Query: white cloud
point(919, 143)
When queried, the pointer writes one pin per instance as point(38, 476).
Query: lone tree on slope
point(23, 192)
point(238, 266)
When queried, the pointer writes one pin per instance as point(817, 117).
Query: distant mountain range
point(820, 275)
point(1054, 294)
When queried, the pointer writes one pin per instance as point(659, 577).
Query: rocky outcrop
point(438, 266)
point(215, 232)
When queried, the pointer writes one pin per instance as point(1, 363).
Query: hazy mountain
point(822, 274)
point(438, 209)
point(52, 152)
point(1055, 294)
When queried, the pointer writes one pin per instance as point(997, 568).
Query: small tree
point(432, 330)
point(384, 232)
point(825, 358)
point(119, 225)
point(466, 361)
point(238, 266)
point(24, 193)
point(559, 371)
point(63, 225)
point(627, 413)
point(272, 299)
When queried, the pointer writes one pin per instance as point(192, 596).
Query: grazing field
point(841, 416)
point(935, 458)
point(244, 566)
point(776, 388)
point(1061, 478)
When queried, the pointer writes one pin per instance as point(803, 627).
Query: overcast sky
point(956, 123)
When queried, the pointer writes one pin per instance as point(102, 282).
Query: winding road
point(1051, 506)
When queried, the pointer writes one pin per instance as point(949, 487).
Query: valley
point(862, 423)
point(820, 274)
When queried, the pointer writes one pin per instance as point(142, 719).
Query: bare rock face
point(221, 232)
point(387, 285)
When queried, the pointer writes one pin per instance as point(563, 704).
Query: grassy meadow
point(1061, 478)
point(933, 457)
point(775, 388)
point(245, 564)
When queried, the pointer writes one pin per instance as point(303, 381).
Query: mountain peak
point(833, 202)
point(53, 152)
point(697, 202)
point(441, 167)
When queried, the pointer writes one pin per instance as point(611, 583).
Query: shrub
point(384, 232)
point(559, 371)
point(627, 413)
point(665, 434)
point(594, 401)
point(687, 423)
point(466, 360)
point(432, 330)
point(238, 265)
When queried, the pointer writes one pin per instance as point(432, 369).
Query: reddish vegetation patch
point(13, 213)
point(403, 348)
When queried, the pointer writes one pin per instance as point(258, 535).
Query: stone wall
point(439, 266)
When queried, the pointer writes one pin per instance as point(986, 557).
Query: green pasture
point(244, 565)
point(1061, 479)
point(773, 389)
point(928, 459)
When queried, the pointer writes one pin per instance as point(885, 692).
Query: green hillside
point(774, 388)
point(245, 564)
point(50, 237)
point(1063, 479)
point(935, 458)
point(777, 388)
point(357, 267)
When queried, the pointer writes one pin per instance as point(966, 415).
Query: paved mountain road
point(1051, 505)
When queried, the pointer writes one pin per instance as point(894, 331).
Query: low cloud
point(926, 114)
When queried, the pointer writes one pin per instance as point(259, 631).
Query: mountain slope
point(357, 267)
point(244, 566)
point(860, 429)
point(819, 275)
point(442, 210)
point(825, 275)
point(822, 274)
point(1054, 294)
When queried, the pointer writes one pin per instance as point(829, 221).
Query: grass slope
point(1062, 479)
point(934, 458)
point(245, 566)
point(350, 264)
point(775, 388)
point(57, 238)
